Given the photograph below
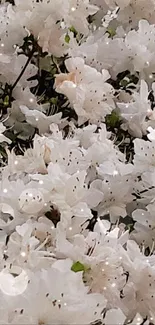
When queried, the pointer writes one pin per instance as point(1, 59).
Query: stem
point(20, 75)
point(22, 72)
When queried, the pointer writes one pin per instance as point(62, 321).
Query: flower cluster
point(77, 162)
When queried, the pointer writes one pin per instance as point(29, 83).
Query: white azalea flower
point(63, 304)
point(144, 155)
point(33, 160)
point(136, 111)
point(83, 88)
point(138, 293)
point(96, 253)
point(118, 168)
point(116, 194)
point(18, 62)
point(141, 43)
point(114, 316)
point(30, 244)
point(3, 138)
point(15, 207)
point(13, 286)
point(39, 119)
point(12, 31)
point(151, 135)
point(145, 226)
point(78, 13)
point(77, 191)
point(54, 42)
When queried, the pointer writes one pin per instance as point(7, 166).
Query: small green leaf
point(67, 38)
point(130, 227)
point(53, 71)
point(111, 31)
point(113, 119)
point(73, 30)
point(124, 83)
point(78, 267)
point(54, 100)
point(6, 101)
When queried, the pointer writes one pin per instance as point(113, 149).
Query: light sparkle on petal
point(115, 172)
point(113, 285)
point(23, 254)
point(139, 319)
point(149, 110)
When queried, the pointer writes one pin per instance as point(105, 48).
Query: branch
point(22, 72)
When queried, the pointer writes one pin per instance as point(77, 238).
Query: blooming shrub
point(77, 162)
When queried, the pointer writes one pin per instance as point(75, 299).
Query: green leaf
point(67, 38)
point(78, 267)
point(54, 100)
point(45, 63)
point(111, 31)
point(124, 83)
point(6, 101)
point(130, 227)
point(53, 71)
point(113, 120)
point(73, 30)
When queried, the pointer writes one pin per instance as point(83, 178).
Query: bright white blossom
point(3, 138)
point(77, 162)
point(87, 90)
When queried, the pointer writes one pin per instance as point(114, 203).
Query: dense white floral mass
point(77, 162)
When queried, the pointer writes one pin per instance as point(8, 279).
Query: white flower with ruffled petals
point(87, 90)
